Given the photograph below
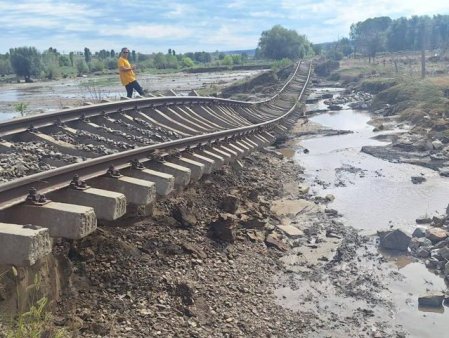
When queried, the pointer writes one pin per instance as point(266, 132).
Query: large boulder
point(395, 240)
point(436, 234)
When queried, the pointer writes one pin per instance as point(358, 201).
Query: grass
point(398, 82)
point(36, 322)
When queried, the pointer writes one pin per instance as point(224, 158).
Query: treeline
point(278, 43)
point(382, 34)
point(28, 62)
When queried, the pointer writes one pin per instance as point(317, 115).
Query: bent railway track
point(105, 160)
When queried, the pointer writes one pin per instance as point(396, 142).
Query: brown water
point(373, 194)
point(54, 95)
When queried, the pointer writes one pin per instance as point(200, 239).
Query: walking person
point(127, 76)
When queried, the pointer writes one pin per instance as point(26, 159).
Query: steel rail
point(15, 192)
point(23, 124)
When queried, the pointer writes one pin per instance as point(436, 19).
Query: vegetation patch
point(376, 85)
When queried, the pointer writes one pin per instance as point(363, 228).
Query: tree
point(133, 56)
point(396, 35)
point(187, 62)
point(81, 67)
point(26, 62)
point(50, 61)
point(369, 35)
point(71, 57)
point(279, 42)
point(5, 67)
point(87, 55)
point(227, 61)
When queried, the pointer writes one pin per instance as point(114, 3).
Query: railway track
point(62, 171)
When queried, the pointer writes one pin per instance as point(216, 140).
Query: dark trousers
point(133, 86)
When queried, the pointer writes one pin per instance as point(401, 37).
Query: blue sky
point(155, 26)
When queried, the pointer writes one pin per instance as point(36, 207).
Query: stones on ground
point(184, 216)
point(274, 241)
point(395, 240)
point(438, 221)
point(423, 220)
point(229, 204)
point(291, 231)
point(436, 234)
point(224, 228)
point(433, 300)
point(419, 232)
point(418, 179)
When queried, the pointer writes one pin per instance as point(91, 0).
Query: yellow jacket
point(126, 76)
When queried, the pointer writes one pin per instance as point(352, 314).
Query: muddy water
point(372, 195)
point(54, 95)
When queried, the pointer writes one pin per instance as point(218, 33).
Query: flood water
point(373, 194)
point(54, 95)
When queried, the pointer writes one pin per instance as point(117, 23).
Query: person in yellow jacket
point(127, 76)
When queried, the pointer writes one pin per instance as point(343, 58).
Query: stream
point(373, 194)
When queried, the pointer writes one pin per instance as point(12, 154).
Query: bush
point(325, 68)
point(375, 86)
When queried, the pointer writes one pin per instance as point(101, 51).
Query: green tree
point(5, 67)
point(64, 61)
point(236, 59)
point(26, 62)
point(227, 61)
point(160, 61)
point(50, 61)
point(71, 57)
point(369, 36)
point(187, 62)
point(279, 42)
point(81, 67)
point(87, 55)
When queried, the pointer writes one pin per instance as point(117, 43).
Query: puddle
point(372, 195)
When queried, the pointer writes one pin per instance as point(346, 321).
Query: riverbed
point(371, 195)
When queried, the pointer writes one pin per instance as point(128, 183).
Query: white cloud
point(147, 31)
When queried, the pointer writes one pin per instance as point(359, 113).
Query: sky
point(187, 26)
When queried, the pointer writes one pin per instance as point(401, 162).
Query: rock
point(433, 263)
point(446, 270)
point(329, 197)
point(418, 179)
point(291, 231)
point(275, 242)
point(423, 220)
point(256, 236)
point(444, 171)
point(437, 144)
point(331, 212)
point(416, 243)
point(423, 253)
point(224, 229)
point(438, 221)
point(444, 253)
point(395, 240)
point(434, 300)
point(184, 216)
point(303, 189)
point(436, 234)
point(335, 107)
point(229, 204)
point(249, 222)
point(419, 232)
